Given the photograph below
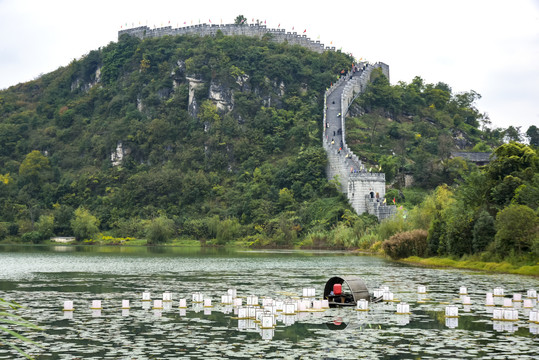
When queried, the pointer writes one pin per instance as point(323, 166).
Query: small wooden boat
point(345, 291)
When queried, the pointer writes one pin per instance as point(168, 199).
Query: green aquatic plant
point(8, 321)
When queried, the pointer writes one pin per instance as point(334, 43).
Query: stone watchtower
point(364, 189)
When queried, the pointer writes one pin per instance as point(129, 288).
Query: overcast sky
point(490, 46)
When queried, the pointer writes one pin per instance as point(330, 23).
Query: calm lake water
point(42, 278)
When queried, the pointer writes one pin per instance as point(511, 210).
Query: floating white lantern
point(463, 290)
point(167, 296)
point(403, 309)
point(517, 297)
point(158, 304)
point(466, 300)
point(507, 302)
point(388, 296)
point(362, 305)
point(378, 293)
point(489, 300)
point(125, 304)
point(207, 303)
point(96, 305)
point(279, 305)
point(146, 296)
point(238, 301)
point(527, 304)
point(497, 314)
point(243, 313)
point(510, 314)
point(251, 312)
point(266, 321)
point(289, 309)
point(451, 322)
point(267, 302)
point(252, 300)
point(183, 304)
point(232, 292)
point(421, 289)
point(227, 300)
point(317, 305)
point(451, 311)
point(531, 294)
point(534, 316)
point(302, 306)
point(498, 291)
point(68, 305)
point(325, 304)
point(198, 297)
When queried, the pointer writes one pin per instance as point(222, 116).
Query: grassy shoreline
point(494, 267)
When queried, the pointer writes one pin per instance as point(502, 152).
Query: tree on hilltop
point(240, 20)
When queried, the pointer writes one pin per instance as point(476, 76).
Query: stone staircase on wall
point(365, 190)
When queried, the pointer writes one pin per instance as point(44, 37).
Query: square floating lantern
point(167, 296)
point(388, 296)
point(289, 309)
point(421, 289)
point(534, 316)
point(403, 309)
point(252, 300)
point(531, 294)
point(317, 305)
point(325, 304)
point(279, 305)
point(183, 304)
point(378, 293)
point(489, 300)
point(362, 305)
point(238, 301)
point(527, 304)
point(243, 313)
point(510, 315)
point(463, 290)
point(451, 311)
point(125, 304)
point(498, 291)
point(227, 300)
point(266, 321)
point(157, 305)
point(497, 314)
point(507, 302)
point(146, 296)
point(207, 303)
point(251, 312)
point(96, 305)
point(68, 305)
point(517, 297)
point(198, 298)
point(267, 302)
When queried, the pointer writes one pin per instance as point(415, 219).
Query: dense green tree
point(533, 135)
point(159, 230)
point(517, 227)
point(84, 225)
point(483, 231)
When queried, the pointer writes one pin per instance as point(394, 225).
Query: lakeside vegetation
point(251, 172)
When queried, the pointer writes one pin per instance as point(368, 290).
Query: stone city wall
point(252, 30)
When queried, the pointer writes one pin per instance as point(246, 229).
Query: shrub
point(159, 230)
point(406, 244)
point(33, 236)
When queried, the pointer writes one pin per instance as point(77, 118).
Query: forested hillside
point(252, 168)
point(218, 139)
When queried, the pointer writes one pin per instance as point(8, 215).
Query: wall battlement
point(252, 30)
